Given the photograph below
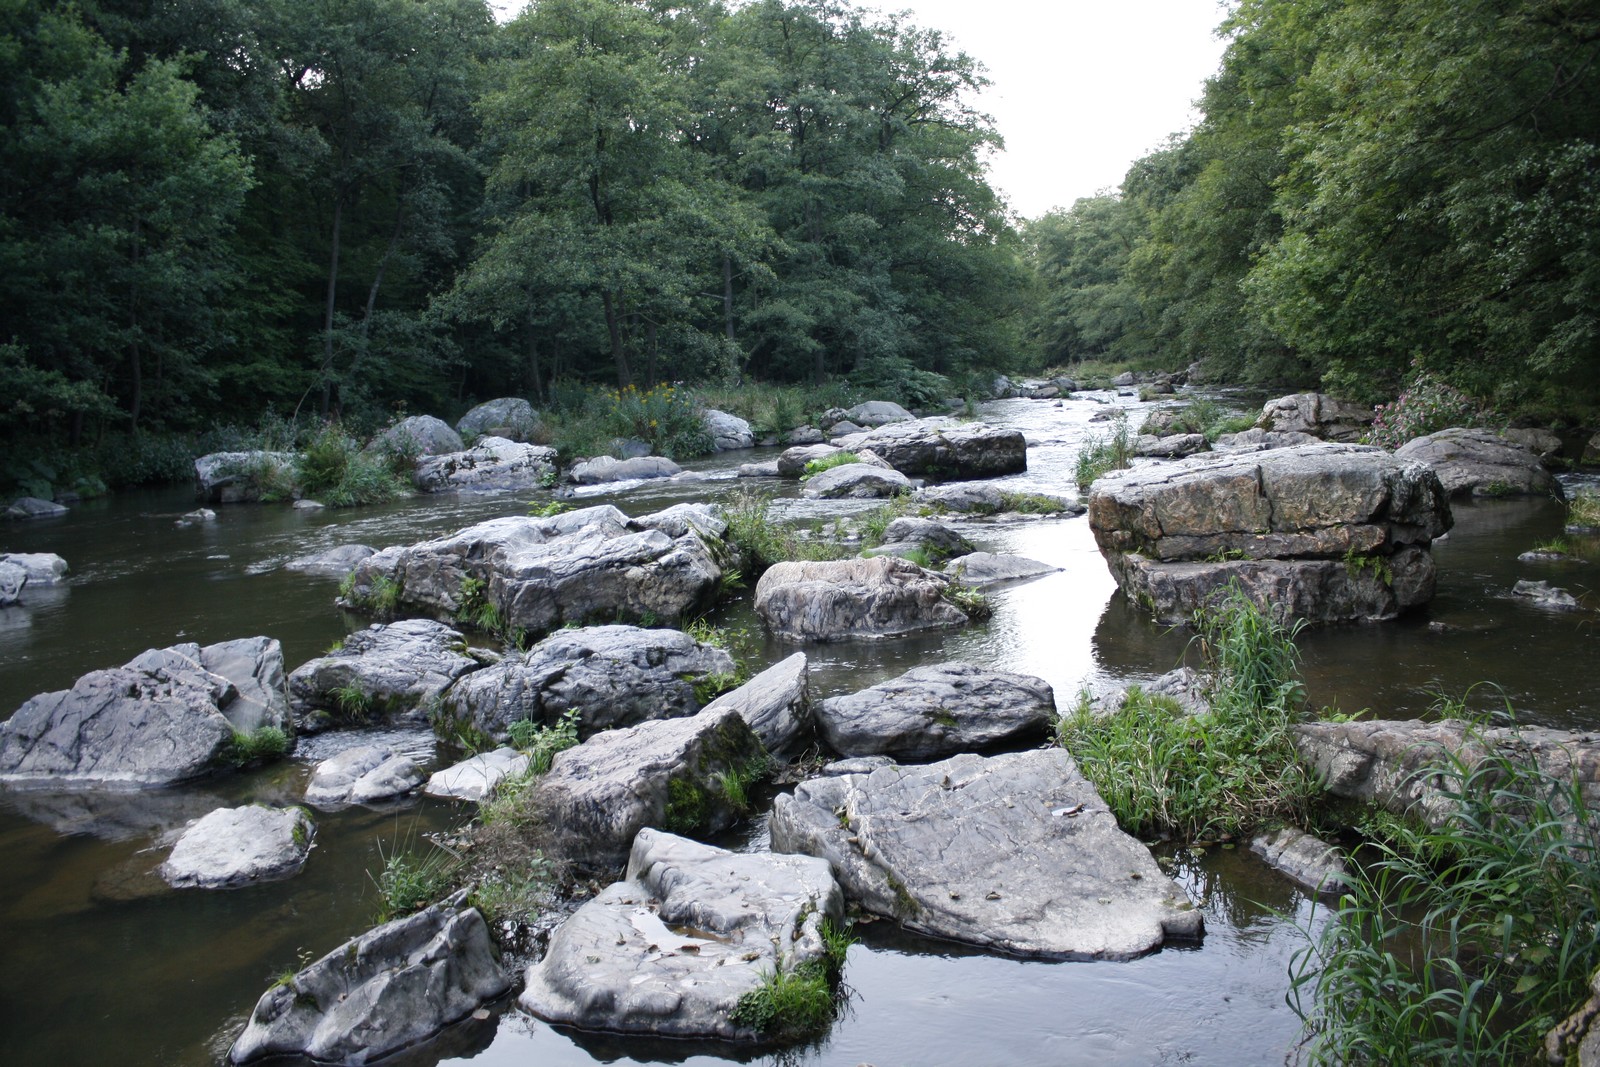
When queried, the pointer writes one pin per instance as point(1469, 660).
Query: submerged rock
point(389, 671)
point(1303, 859)
point(670, 950)
point(362, 775)
point(13, 578)
point(380, 992)
point(334, 562)
point(1546, 595)
point(837, 600)
point(944, 448)
point(31, 507)
point(1473, 462)
point(1015, 853)
point(492, 464)
point(476, 779)
point(938, 710)
point(234, 847)
point(775, 705)
point(983, 569)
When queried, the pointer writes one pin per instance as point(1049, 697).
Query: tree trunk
point(135, 358)
point(614, 327)
point(533, 354)
point(650, 351)
point(327, 314)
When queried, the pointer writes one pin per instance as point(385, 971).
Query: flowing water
point(103, 964)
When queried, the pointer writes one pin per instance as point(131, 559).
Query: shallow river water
point(103, 964)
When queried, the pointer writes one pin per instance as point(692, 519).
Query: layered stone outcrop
point(943, 448)
point(1321, 532)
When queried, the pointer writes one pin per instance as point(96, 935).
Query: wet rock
point(856, 481)
point(540, 573)
point(492, 464)
point(42, 568)
point(31, 507)
point(1173, 446)
point(728, 432)
point(389, 671)
point(362, 775)
point(334, 562)
point(838, 600)
point(792, 463)
point(610, 675)
point(803, 435)
point(509, 416)
point(418, 436)
point(380, 992)
point(236, 477)
point(1536, 556)
point(775, 705)
point(983, 569)
point(1015, 853)
point(1480, 463)
point(944, 448)
point(13, 577)
point(875, 413)
point(164, 717)
point(1303, 859)
point(1256, 439)
point(1546, 595)
point(670, 951)
point(603, 469)
point(199, 516)
point(1316, 414)
point(234, 847)
point(935, 540)
point(303, 505)
point(1323, 532)
point(759, 470)
point(938, 710)
point(672, 774)
point(477, 778)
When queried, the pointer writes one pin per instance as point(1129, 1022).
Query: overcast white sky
point(1081, 88)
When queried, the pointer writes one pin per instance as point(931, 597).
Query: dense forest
point(213, 211)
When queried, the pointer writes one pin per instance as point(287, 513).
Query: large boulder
point(1473, 462)
point(365, 774)
point(856, 481)
point(1322, 532)
point(838, 600)
point(508, 416)
point(775, 704)
point(478, 777)
point(603, 469)
point(13, 577)
point(876, 413)
point(238, 477)
point(31, 507)
point(417, 436)
point(539, 573)
point(1015, 853)
point(387, 672)
point(792, 463)
point(938, 710)
point(380, 992)
point(1316, 414)
point(692, 929)
point(491, 464)
point(934, 541)
point(42, 568)
point(683, 775)
point(610, 675)
point(234, 847)
point(728, 432)
point(166, 716)
point(943, 448)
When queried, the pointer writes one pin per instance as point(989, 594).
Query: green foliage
point(762, 540)
point(265, 744)
point(352, 701)
point(794, 1005)
point(815, 467)
point(1099, 455)
point(541, 743)
point(379, 595)
point(333, 469)
point(1220, 772)
point(1583, 510)
point(1031, 503)
point(1427, 405)
point(475, 609)
point(668, 419)
point(515, 895)
point(970, 599)
point(1465, 942)
point(409, 882)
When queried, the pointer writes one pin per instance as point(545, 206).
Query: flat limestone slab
point(1015, 853)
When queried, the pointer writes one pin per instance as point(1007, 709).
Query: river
point(105, 965)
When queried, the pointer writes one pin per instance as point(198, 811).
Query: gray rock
point(1002, 388)
point(878, 413)
point(299, 505)
point(728, 432)
point(1316, 414)
point(1546, 595)
point(604, 469)
point(43, 568)
point(672, 774)
point(1542, 443)
point(610, 675)
point(670, 951)
point(234, 847)
point(540, 573)
point(416, 437)
point(1015, 853)
point(938, 710)
point(1591, 452)
point(803, 435)
point(840, 600)
point(477, 778)
point(362, 775)
point(775, 705)
point(13, 577)
point(976, 498)
point(938, 541)
point(334, 562)
point(1187, 687)
point(162, 718)
point(943, 448)
point(983, 569)
point(1173, 446)
point(31, 507)
point(1304, 859)
point(1481, 463)
point(1256, 439)
point(492, 464)
point(759, 470)
point(508, 416)
point(792, 463)
point(680, 519)
point(854, 765)
point(380, 992)
point(1126, 378)
point(856, 481)
point(235, 477)
point(844, 427)
point(204, 515)
point(397, 669)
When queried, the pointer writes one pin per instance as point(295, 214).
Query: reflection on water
point(104, 964)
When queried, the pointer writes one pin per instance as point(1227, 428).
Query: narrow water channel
point(103, 964)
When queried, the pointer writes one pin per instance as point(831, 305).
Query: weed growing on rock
point(409, 882)
point(261, 745)
point(793, 1005)
point(970, 599)
point(541, 743)
point(475, 609)
point(1100, 455)
point(827, 463)
point(352, 701)
point(1583, 511)
point(762, 540)
point(334, 470)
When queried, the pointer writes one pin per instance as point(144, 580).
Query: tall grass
point(1102, 453)
point(762, 540)
point(1464, 943)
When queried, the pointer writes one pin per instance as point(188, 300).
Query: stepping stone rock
point(1015, 853)
point(476, 779)
point(493, 464)
point(856, 481)
point(235, 847)
point(1303, 859)
point(42, 568)
point(361, 775)
point(839, 600)
point(984, 569)
point(397, 668)
point(670, 951)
